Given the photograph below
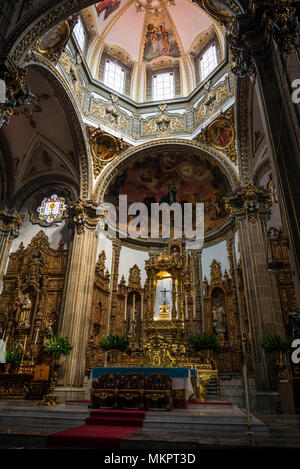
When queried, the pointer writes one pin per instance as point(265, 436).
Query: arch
point(74, 120)
point(120, 164)
point(131, 154)
point(36, 185)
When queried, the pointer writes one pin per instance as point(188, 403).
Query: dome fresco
point(152, 34)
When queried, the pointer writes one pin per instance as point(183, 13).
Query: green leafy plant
point(203, 341)
point(13, 355)
point(276, 343)
point(114, 342)
point(57, 345)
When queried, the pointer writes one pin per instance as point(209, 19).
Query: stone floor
point(24, 425)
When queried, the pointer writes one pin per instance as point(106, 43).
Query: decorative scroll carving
point(211, 102)
point(134, 281)
point(163, 125)
point(100, 265)
point(110, 115)
point(72, 73)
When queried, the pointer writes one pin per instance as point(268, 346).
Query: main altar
point(159, 318)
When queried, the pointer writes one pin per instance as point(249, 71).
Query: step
point(117, 422)
point(37, 416)
point(182, 426)
point(128, 414)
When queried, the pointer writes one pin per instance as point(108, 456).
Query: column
point(250, 208)
point(78, 289)
point(142, 305)
point(199, 256)
point(10, 223)
point(282, 131)
point(114, 275)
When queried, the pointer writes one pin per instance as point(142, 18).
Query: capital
point(82, 214)
point(10, 223)
point(249, 202)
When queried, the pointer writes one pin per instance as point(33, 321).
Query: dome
point(145, 39)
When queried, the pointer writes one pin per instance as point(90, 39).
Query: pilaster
point(78, 291)
point(249, 209)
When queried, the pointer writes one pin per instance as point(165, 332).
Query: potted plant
point(56, 346)
point(277, 345)
point(113, 343)
point(12, 357)
point(203, 342)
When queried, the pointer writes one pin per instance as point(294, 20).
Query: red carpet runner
point(104, 429)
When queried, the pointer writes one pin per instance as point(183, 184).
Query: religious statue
point(219, 319)
point(17, 306)
point(26, 307)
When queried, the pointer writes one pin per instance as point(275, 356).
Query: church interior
point(153, 102)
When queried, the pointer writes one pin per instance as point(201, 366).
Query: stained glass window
point(52, 208)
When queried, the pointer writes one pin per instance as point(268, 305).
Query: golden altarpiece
point(159, 318)
point(30, 304)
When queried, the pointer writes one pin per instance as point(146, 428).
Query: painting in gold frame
point(54, 39)
point(220, 134)
point(104, 147)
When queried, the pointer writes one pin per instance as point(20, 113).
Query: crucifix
point(164, 291)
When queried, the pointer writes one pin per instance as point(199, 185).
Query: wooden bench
point(104, 390)
point(132, 388)
point(159, 386)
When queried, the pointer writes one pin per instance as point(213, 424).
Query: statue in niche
point(219, 319)
point(17, 306)
point(25, 312)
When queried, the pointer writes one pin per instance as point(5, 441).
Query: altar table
point(181, 377)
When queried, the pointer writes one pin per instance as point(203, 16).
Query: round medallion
point(55, 38)
point(220, 134)
point(104, 147)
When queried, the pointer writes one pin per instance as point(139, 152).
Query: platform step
point(187, 426)
point(125, 414)
point(115, 421)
